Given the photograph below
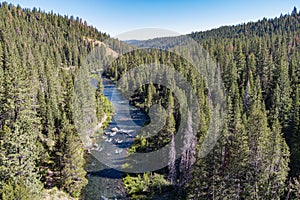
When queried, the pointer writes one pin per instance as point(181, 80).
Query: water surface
point(110, 148)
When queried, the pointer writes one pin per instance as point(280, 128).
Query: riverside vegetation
point(258, 152)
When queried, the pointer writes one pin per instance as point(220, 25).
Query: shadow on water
point(124, 145)
point(108, 173)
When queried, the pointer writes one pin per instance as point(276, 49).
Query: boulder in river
point(114, 129)
point(113, 133)
point(96, 145)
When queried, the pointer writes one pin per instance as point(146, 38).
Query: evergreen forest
point(43, 76)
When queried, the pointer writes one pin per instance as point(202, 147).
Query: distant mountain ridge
point(259, 28)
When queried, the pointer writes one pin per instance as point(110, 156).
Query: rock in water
point(113, 133)
point(115, 129)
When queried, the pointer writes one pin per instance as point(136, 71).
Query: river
point(104, 162)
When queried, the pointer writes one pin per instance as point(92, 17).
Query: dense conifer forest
point(40, 54)
point(257, 155)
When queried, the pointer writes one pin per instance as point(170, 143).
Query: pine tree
point(84, 112)
point(20, 131)
point(99, 97)
point(264, 68)
point(294, 138)
point(237, 153)
point(240, 62)
point(267, 172)
point(16, 190)
point(38, 62)
point(72, 174)
point(281, 77)
point(296, 189)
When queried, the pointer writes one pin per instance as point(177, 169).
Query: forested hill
point(285, 24)
point(260, 64)
point(257, 155)
point(278, 25)
point(258, 152)
point(40, 54)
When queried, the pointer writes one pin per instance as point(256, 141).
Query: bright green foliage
point(17, 190)
point(145, 186)
point(99, 100)
point(296, 189)
point(103, 105)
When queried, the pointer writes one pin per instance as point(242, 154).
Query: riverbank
point(110, 148)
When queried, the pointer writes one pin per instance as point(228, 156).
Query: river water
point(109, 151)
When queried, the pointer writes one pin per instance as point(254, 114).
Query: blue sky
point(181, 16)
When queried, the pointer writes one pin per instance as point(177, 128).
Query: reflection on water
point(105, 181)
